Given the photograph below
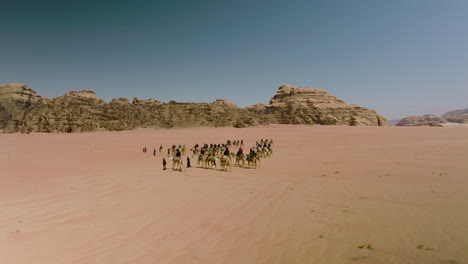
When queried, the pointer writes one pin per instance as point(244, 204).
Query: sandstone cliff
point(426, 120)
point(22, 110)
point(457, 116)
point(293, 105)
point(455, 113)
point(461, 119)
point(15, 101)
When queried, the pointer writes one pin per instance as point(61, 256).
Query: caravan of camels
point(212, 155)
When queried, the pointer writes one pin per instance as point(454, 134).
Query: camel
point(195, 151)
point(226, 163)
point(263, 153)
point(201, 159)
point(270, 151)
point(177, 163)
point(183, 150)
point(240, 160)
point(210, 161)
point(170, 152)
point(253, 161)
point(232, 155)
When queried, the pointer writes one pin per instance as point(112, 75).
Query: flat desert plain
point(327, 195)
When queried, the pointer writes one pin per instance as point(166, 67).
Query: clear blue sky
point(398, 57)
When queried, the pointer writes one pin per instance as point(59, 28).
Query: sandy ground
point(401, 193)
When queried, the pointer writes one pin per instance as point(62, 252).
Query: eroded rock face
point(15, 102)
point(426, 120)
point(139, 101)
point(457, 116)
point(119, 101)
point(22, 110)
point(461, 119)
point(455, 113)
point(301, 105)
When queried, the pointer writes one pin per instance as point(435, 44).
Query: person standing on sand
point(188, 163)
point(164, 164)
point(154, 152)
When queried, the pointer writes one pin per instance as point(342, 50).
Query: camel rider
point(252, 154)
point(202, 151)
point(240, 152)
point(226, 152)
point(178, 154)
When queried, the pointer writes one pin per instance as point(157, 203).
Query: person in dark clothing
point(164, 164)
point(188, 163)
point(154, 152)
point(178, 154)
point(240, 152)
point(226, 152)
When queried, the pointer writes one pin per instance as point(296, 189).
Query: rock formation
point(15, 100)
point(461, 119)
point(293, 105)
point(425, 120)
point(455, 113)
point(22, 110)
point(457, 116)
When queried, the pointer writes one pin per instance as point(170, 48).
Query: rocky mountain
point(455, 113)
point(461, 119)
point(293, 105)
point(23, 110)
point(15, 100)
point(425, 120)
point(457, 116)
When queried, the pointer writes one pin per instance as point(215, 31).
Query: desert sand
point(399, 193)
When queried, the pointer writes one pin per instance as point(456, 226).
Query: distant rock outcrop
point(425, 120)
point(22, 110)
point(457, 116)
point(293, 105)
point(461, 119)
point(455, 113)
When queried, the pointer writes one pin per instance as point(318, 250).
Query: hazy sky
point(398, 57)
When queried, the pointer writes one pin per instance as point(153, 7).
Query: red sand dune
point(97, 198)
